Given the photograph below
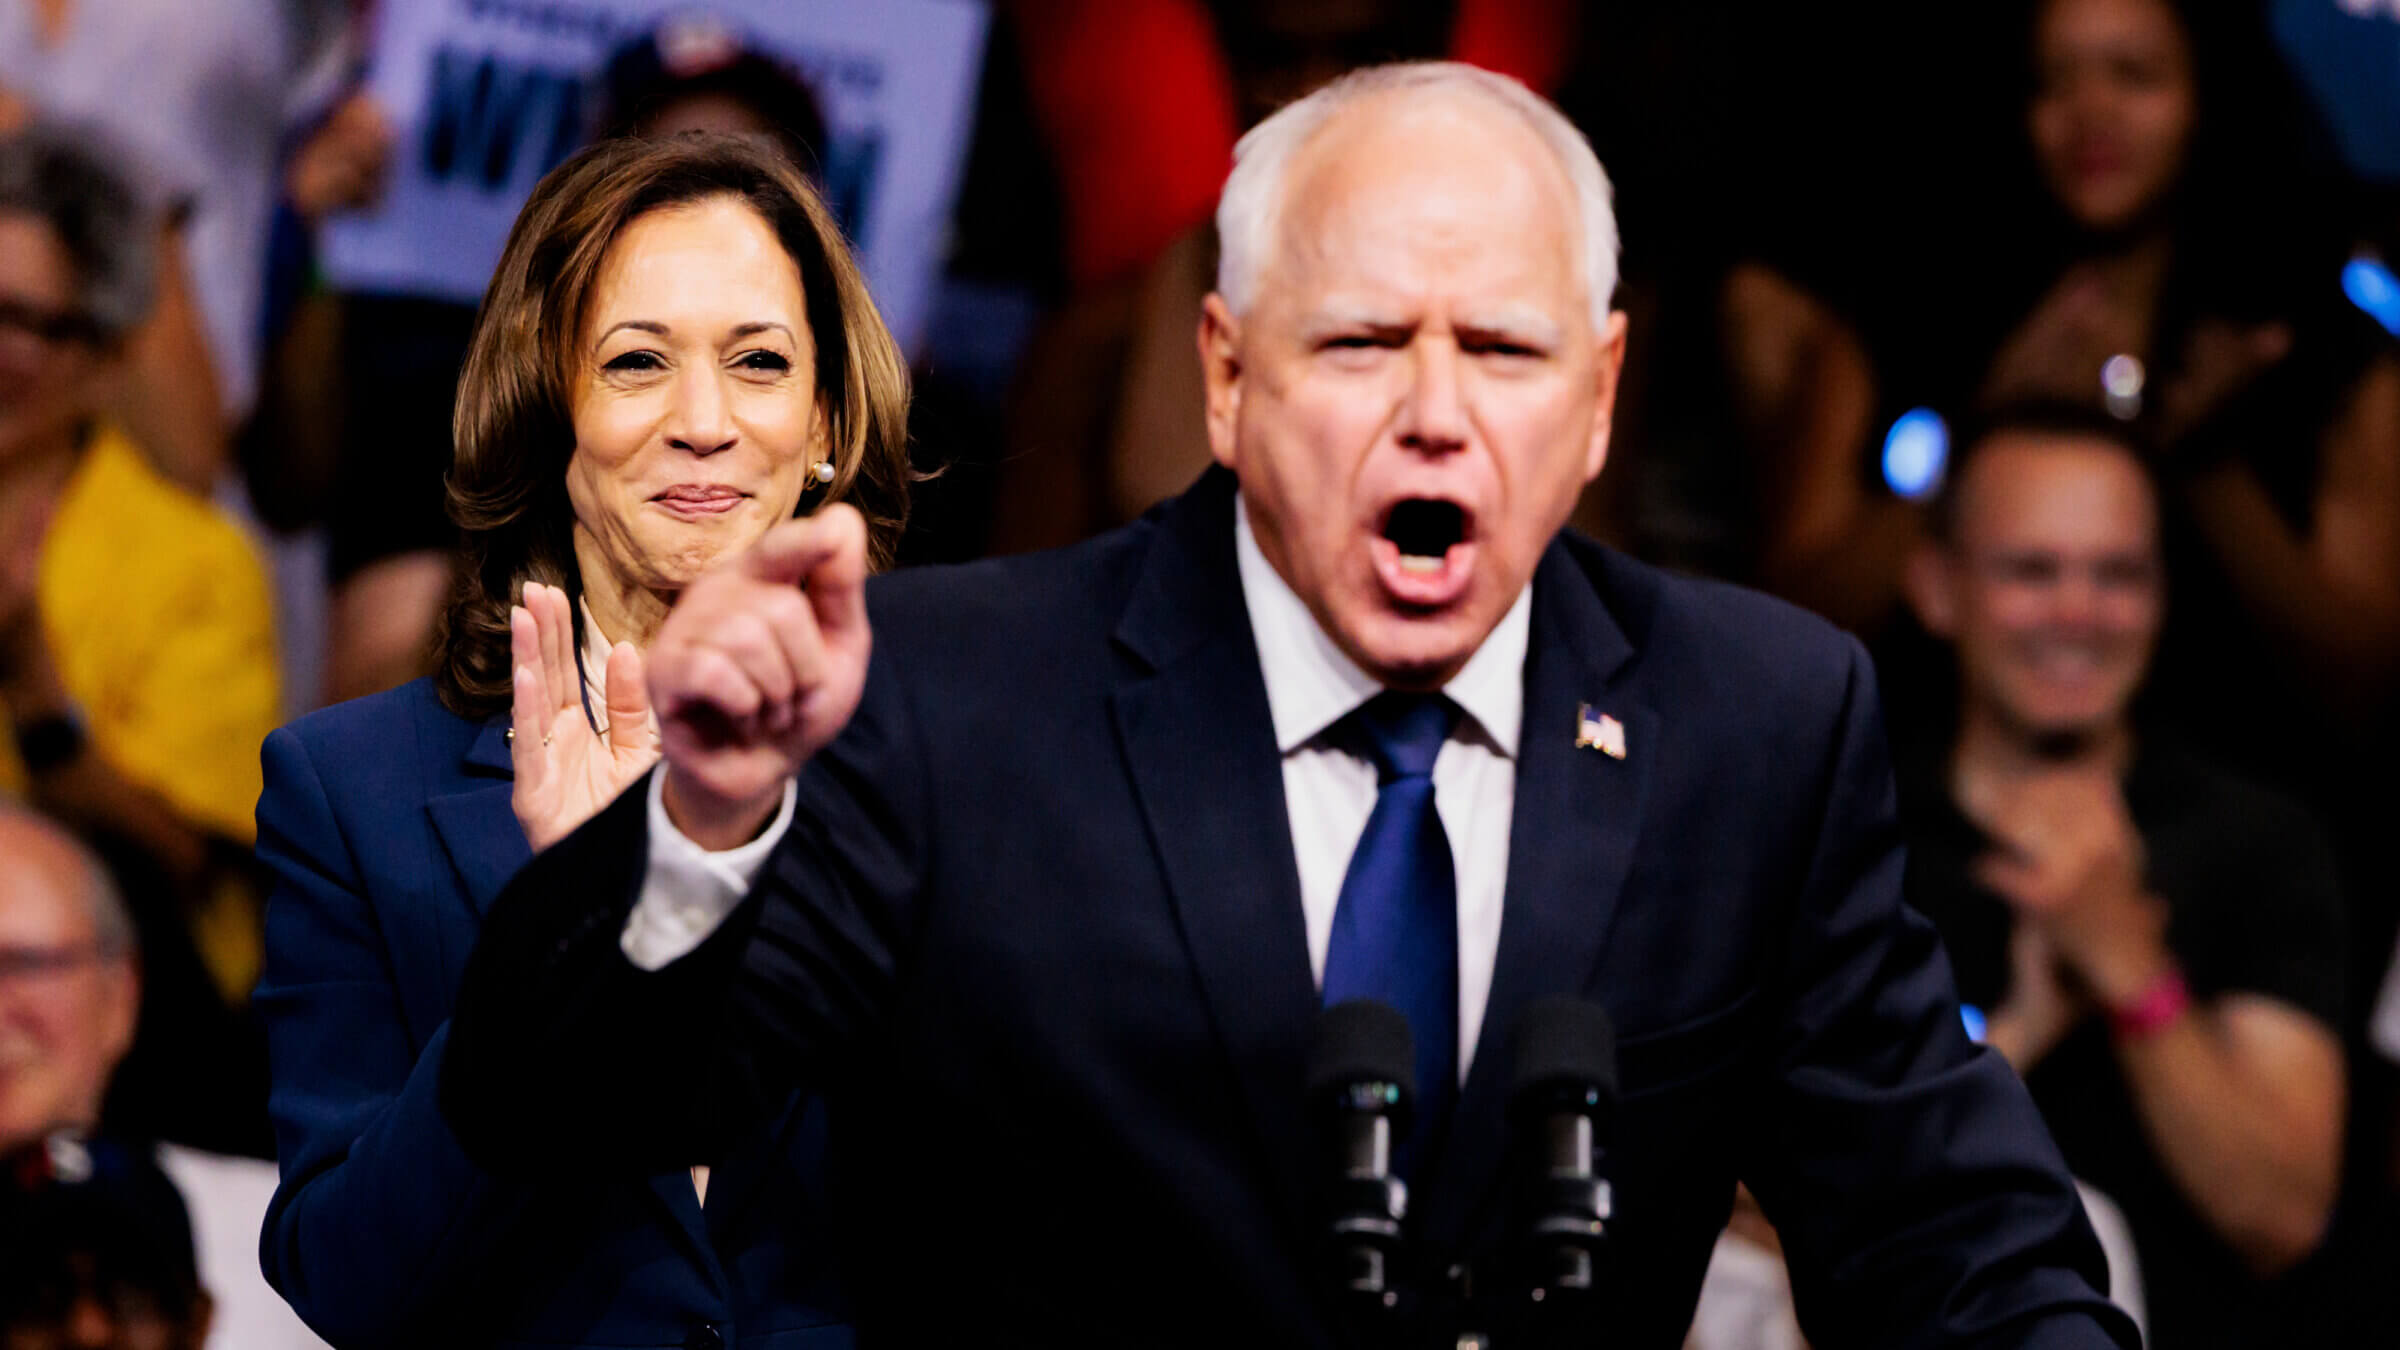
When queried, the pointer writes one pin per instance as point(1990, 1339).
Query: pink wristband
point(2158, 1005)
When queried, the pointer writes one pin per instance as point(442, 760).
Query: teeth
point(1411, 562)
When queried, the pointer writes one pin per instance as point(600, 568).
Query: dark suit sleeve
point(564, 1055)
point(380, 1217)
point(1919, 1197)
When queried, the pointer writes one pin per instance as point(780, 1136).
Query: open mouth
point(1423, 530)
point(1425, 552)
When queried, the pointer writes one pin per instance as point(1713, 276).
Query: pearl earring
point(824, 470)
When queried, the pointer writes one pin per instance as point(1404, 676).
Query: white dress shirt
point(688, 890)
point(1328, 791)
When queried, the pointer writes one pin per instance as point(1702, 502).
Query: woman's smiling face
point(695, 408)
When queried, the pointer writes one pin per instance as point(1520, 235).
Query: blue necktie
point(1395, 928)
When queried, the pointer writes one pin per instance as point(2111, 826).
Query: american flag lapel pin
point(1596, 730)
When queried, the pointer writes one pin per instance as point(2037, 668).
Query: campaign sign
point(486, 96)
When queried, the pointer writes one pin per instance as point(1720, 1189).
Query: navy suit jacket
point(1037, 927)
point(387, 826)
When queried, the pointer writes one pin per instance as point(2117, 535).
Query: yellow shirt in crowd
point(159, 617)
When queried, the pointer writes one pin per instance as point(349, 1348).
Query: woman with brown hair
point(676, 353)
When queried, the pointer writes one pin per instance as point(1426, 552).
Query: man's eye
point(635, 361)
point(1353, 342)
point(2125, 575)
point(1513, 349)
point(764, 360)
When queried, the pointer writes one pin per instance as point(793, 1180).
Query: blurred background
point(1850, 232)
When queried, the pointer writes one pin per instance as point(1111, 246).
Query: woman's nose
point(701, 421)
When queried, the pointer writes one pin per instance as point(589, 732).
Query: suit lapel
point(477, 826)
point(1571, 839)
point(1199, 743)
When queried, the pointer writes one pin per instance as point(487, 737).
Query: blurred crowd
point(2050, 347)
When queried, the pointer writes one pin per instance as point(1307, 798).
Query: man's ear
point(1611, 370)
point(1221, 375)
point(1931, 584)
point(122, 977)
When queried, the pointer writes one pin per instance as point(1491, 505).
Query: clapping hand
point(2043, 1003)
point(760, 664)
point(2220, 359)
point(2070, 862)
point(2059, 349)
point(566, 771)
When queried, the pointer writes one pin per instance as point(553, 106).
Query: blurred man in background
point(2158, 944)
point(70, 990)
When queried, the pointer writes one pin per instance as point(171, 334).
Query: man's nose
point(701, 420)
point(2076, 600)
point(1433, 416)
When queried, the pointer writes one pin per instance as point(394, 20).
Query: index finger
point(798, 552)
point(837, 584)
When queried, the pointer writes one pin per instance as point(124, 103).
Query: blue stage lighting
point(2372, 287)
point(1915, 451)
point(1973, 1017)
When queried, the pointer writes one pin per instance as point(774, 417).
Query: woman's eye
point(764, 360)
point(635, 361)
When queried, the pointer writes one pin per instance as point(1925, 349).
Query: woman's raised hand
point(565, 770)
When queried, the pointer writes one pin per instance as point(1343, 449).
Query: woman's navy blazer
point(386, 824)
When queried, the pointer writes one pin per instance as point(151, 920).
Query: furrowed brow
point(1331, 319)
point(1515, 325)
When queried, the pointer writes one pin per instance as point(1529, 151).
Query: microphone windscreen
point(1361, 1040)
point(1564, 1042)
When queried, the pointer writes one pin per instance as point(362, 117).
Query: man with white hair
point(1049, 891)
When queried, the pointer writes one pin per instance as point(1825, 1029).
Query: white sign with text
point(486, 96)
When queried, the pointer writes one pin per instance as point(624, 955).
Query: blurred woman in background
point(2175, 271)
point(2198, 292)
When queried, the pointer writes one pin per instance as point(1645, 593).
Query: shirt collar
point(1312, 683)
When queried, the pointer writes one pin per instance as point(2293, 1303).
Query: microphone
point(1563, 1100)
point(1361, 1088)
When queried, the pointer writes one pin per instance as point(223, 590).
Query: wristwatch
point(50, 741)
